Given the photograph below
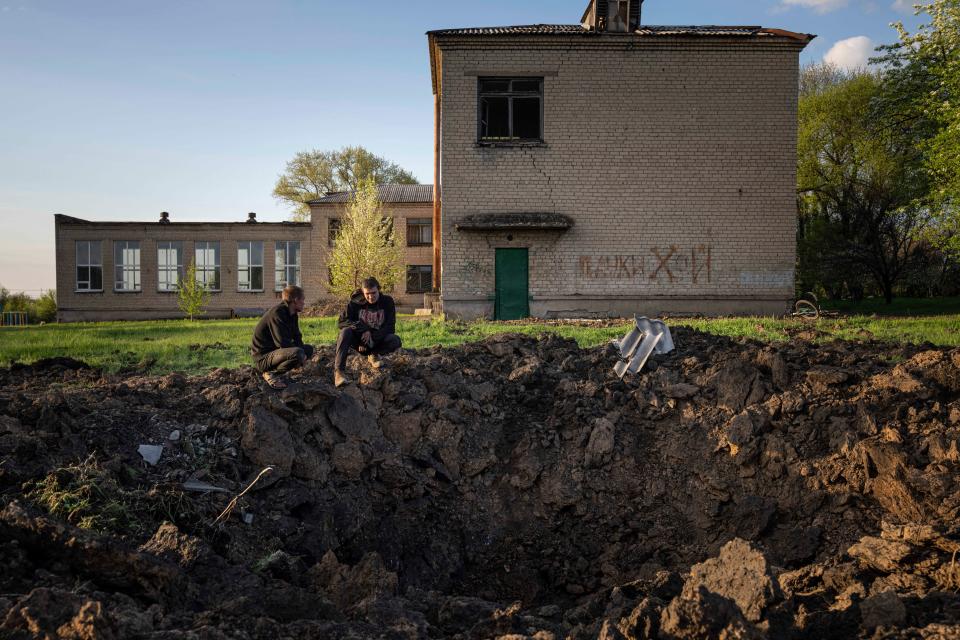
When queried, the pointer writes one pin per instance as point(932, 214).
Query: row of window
point(206, 255)
point(171, 265)
point(419, 231)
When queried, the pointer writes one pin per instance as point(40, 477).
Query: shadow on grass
point(913, 307)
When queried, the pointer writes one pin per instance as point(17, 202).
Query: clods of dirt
point(510, 488)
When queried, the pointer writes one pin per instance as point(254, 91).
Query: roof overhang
point(483, 222)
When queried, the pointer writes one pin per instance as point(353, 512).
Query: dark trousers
point(284, 360)
point(351, 339)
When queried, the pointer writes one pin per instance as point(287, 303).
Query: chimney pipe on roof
point(251, 218)
point(164, 218)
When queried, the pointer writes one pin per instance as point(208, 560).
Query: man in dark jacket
point(277, 342)
point(368, 325)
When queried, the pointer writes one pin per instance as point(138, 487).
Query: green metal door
point(512, 269)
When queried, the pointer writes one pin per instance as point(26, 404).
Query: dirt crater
point(512, 487)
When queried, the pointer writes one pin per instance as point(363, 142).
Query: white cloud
point(904, 6)
point(852, 53)
point(820, 6)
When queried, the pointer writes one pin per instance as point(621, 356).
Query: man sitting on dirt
point(366, 325)
point(277, 342)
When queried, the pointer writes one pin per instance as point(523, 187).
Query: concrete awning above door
point(514, 222)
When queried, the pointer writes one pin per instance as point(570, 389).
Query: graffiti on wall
point(670, 265)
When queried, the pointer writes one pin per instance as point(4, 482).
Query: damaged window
point(510, 109)
point(618, 13)
point(419, 278)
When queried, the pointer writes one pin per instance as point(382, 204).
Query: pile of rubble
point(508, 488)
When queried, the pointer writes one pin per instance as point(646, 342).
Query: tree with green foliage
point(46, 306)
point(192, 295)
point(921, 98)
point(365, 246)
point(860, 186)
point(313, 174)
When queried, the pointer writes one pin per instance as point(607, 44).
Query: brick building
point(600, 168)
point(611, 167)
point(129, 270)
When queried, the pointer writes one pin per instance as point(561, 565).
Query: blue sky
point(120, 110)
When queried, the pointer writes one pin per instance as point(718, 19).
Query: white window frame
point(203, 268)
point(88, 263)
point(126, 266)
point(165, 268)
point(283, 265)
point(245, 269)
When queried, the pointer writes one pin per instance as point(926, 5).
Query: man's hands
point(366, 342)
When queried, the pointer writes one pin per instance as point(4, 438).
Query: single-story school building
point(130, 270)
point(593, 169)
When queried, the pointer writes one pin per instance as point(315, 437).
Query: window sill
point(510, 143)
point(250, 290)
point(88, 290)
point(128, 290)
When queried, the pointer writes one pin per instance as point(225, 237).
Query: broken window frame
point(90, 259)
point(614, 10)
point(422, 273)
point(510, 95)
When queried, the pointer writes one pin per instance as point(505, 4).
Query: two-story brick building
point(610, 167)
point(130, 270)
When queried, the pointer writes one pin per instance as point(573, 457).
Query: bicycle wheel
point(806, 310)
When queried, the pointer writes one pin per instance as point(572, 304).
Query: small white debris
point(248, 518)
point(174, 435)
point(196, 485)
point(150, 453)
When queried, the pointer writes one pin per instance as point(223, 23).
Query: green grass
point(179, 345)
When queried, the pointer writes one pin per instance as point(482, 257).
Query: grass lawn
point(179, 345)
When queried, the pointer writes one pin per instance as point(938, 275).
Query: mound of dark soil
point(510, 488)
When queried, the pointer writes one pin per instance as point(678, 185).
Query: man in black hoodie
point(366, 325)
point(277, 342)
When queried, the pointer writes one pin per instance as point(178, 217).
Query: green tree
point(313, 174)
point(922, 99)
point(47, 306)
point(860, 184)
point(365, 245)
point(192, 295)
